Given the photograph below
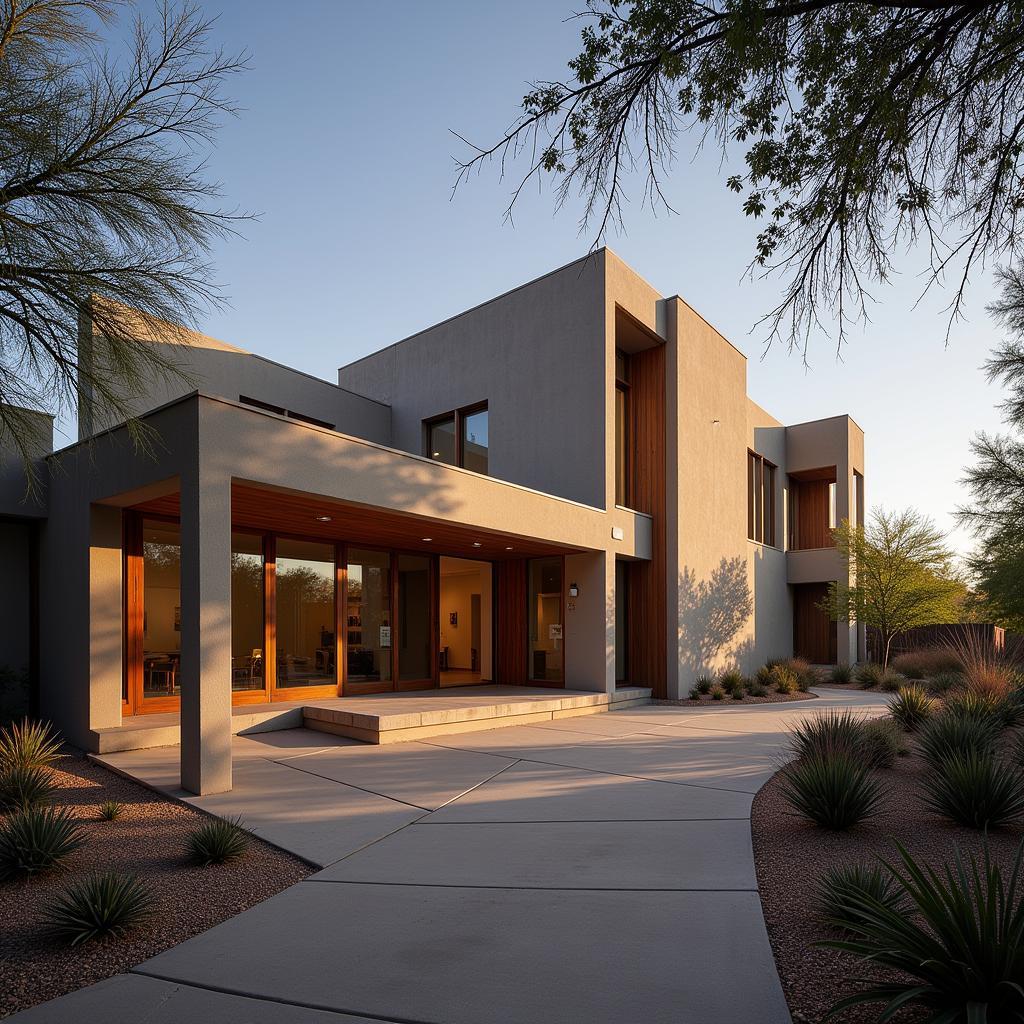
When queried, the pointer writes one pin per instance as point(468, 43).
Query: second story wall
point(536, 356)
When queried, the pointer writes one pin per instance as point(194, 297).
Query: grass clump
point(951, 951)
point(703, 684)
point(976, 790)
point(102, 904)
point(731, 681)
point(966, 703)
point(111, 810)
point(825, 733)
point(24, 786)
point(891, 682)
point(882, 741)
point(739, 693)
point(868, 675)
point(36, 840)
point(925, 663)
point(28, 744)
point(911, 707)
point(844, 890)
point(717, 693)
point(755, 688)
point(835, 791)
point(217, 841)
point(947, 735)
point(942, 682)
point(841, 673)
point(782, 679)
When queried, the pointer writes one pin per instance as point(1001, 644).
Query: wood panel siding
point(648, 581)
point(814, 633)
point(810, 526)
point(510, 656)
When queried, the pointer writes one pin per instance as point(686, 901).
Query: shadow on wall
point(712, 612)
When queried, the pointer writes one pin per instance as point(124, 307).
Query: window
point(459, 438)
point(621, 428)
point(833, 513)
point(760, 499)
point(545, 619)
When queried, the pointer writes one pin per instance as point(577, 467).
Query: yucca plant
point(826, 732)
point(869, 674)
point(835, 791)
point(841, 673)
point(102, 904)
point(28, 744)
point(703, 684)
point(882, 741)
point(37, 840)
point(23, 786)
point(957, 937)
point(217, 841)
point(844, 888)
point(976, 790)
point(967, 703)
point(111, 810)
point(947, 734)
point(731, 680)
point(911, 707)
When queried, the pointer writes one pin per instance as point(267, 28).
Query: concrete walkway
point(592, 869)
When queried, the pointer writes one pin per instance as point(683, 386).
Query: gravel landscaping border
point(707, 701)
point(148, 840)
point(791, 854)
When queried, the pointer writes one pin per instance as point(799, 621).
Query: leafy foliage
point(835, 791)
point(36, 840)
point(911, 707)
point(28, 744)
point(102, 904)
point(976, 790)
point(961, 943)
point(217, 841)
point(843, 890)
point(24, 786)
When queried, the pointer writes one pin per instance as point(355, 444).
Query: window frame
point(459, 416)
point(623, 461)
point(762, 482)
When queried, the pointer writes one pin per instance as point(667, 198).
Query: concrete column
point(590, 622)
point(205, 631)
point(106, 632)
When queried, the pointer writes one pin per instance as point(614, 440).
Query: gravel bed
point(147, 840)
point(791, 855)
point(727, 702)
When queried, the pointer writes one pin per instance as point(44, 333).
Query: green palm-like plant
point(28, 744)
point(961, 943)
point(835, 791)
point(102, 904)
point(23, 786)
point(976, 790)
point(217, 841)
point(36, 840)
point(911, 707)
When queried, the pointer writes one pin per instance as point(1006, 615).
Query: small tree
point(900, 573)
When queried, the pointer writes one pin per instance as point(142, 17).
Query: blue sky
point(344, 148)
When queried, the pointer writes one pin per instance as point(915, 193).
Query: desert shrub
point(970, 704)
point(882, 741)
point(911, 707)
point(703, 684)
point(925, 663)
point(731, 680)
point(806, 677)
point(28, 744)
point(891, 682)
point(909, 666)
point(946, 735)
point(111, 810)
point(23, 786)
point(841, 673)
point(844, 889)
point(756, 688)
point(1017, 750)
point(36, 840)
point(217, 841)
point(1013, 708)
point(835, 791)
point(717, 693)
point(826, 732)
point(953, 947)
point(942, 682)
point(694, 693)
point(102, 904)
point(738, 693)
point(782, 679)
point(977, 790)
point(868, 675)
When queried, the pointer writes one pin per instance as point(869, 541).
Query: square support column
point(590, 622)
point(205, 632)
point(106, 637)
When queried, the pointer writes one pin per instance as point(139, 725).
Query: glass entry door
point(367, 611)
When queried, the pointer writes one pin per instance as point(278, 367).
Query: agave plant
point(102, 904)
point(23, 786)
point(977, 790)
point(911, 707)
point(110, 810)
point(948, 734)
point(217, 841)
point(835, 791)
point(960, 946)
point(28, 744)
point(843, 889)
point(36, 840)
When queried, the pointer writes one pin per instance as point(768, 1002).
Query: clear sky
point(343, 147)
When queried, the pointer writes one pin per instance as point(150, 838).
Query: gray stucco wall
point(15, 498)
point(15, 557)
point(536, 355)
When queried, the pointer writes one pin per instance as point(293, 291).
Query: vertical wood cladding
point(646, 493)
point(814, 634)
point(812, 505)
point(510, 615)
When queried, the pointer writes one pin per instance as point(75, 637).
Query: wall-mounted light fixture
point(574, 590)
point(323, 519)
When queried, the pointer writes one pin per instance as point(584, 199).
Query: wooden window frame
point(458, 416)
point(762, 481)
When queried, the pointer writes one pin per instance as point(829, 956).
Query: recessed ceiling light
point(427, 539)
point(323, 519)
point(477, 544)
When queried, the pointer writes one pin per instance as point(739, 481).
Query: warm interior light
point(323, 519)
point(477, 544)
point(510, 549)
point(427, 539)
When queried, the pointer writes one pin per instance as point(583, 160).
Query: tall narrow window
point(368, 616)
point(459, 438)
point(545, 619)
point(473, 440)
point(621, 428)
point(161, 602)
point(760, 499)
point(247, 661)
point(305, 613)
point(441, 440)
point(833, 512)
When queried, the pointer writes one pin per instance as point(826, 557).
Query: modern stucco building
point(566, 486)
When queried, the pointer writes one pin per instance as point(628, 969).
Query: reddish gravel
point(791, 855)
point(728, 702)
point(147, 840)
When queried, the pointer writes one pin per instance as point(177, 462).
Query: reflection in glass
point(305, 613)
point(545, 619)
point(368, 616)
point(441, 440)
point(161, 618)
point(246, 612)
point(414, 604)
point(474, 441)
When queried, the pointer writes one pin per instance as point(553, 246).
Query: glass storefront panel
point(545, 620)
point(305, 613)
point(414, 618)
point(161, 617)
point(368, 616)
point(247, 664)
